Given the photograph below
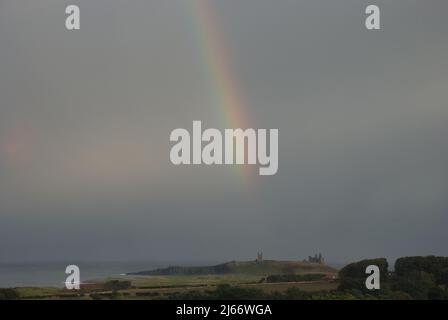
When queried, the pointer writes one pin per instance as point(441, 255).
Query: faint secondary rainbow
point(223, 81)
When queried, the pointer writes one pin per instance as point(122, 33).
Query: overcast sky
point(85, 118)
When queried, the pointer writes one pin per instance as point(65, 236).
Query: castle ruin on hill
point(318, 258)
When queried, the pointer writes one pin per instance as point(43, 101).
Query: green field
point(188, 280)
point(162, 287)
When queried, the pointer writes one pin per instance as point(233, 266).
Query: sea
point(52, 274)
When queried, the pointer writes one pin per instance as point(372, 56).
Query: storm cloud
point(85, 119)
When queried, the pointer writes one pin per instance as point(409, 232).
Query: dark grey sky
point(85, 119)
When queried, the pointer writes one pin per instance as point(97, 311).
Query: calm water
point(53, 273)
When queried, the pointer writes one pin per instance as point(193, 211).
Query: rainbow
point(223, 81)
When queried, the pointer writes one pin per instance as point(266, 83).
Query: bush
point(357, 270)
point(295, 277)
point(8, 294)
point(353, 276)
point(437, 266)
point(222, 292)
point(115, 285)
point(417, 284)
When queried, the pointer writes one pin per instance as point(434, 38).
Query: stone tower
point(259, 257)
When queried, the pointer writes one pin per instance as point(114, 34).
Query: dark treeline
point(413, 278)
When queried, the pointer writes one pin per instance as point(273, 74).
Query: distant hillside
point(244, 267)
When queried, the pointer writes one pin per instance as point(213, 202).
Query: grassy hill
point(244, 267)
